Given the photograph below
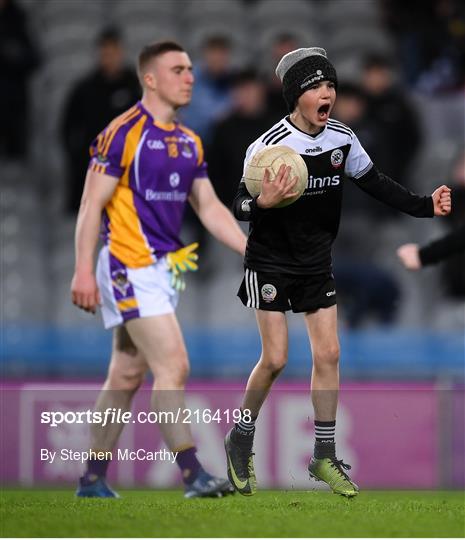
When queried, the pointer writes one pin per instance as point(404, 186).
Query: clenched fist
point(442, 201)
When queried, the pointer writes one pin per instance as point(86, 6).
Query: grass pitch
point(48, 513)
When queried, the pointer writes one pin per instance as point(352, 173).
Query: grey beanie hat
point(299, 69)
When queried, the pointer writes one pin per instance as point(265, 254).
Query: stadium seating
point(205, 18)
point(25, 279)
point(269, 18)
point(144, 22)
point(37, 239)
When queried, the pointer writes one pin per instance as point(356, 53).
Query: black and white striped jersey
point(297, 239)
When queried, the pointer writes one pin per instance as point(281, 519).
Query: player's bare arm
point(276, 190)
point(215, 217)
point(98, 190)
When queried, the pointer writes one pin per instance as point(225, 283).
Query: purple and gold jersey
point(156, 165)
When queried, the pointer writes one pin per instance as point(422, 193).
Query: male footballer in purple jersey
point(288, 256)
point(144, 168)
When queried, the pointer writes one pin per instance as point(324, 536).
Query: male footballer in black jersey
point(288, 256)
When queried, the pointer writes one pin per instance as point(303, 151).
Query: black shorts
point(283, 292)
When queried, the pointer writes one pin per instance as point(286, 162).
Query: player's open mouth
point(323, 112)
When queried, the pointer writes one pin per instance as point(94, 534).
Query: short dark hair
point(284, 37)
point(245, 76)
point(350, 89)
point(377, 60)
point(217, 41)
point(149, 52)
point(109, 35)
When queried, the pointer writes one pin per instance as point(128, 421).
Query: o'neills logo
point(314, 77)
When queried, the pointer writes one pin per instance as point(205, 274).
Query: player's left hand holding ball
point(277, 190)
point(442, 201)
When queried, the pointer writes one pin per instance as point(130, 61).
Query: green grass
point(46, 513)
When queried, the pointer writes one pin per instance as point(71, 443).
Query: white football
point(272, 158)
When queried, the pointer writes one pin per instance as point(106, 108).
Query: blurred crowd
point(232, 105)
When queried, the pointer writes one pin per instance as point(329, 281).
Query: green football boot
point(241, 472)
point(332, 472)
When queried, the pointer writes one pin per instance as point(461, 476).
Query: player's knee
point(132, 381)
point(174, 375)
point(181, 373)
point(275, 361)
point(327, 356)
point(125, 379)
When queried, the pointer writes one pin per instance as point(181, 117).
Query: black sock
point(325, 446)
point(244, 430)
point(325, 431)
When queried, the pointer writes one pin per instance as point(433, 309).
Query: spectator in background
point(210, 102)
point(370, 293)
point(414, 257)
point(351, 104)
point(107, 91)
point(431, 40)
point(282, 44)
point(351, 109)
point(450, 247)
point(231, 137)
point(454, 267)
point(212, 95)
point(368, 290)
point(394, 123)
point(18, 60)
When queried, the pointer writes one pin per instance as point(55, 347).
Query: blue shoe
point(95, 488)
point(206, 485)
